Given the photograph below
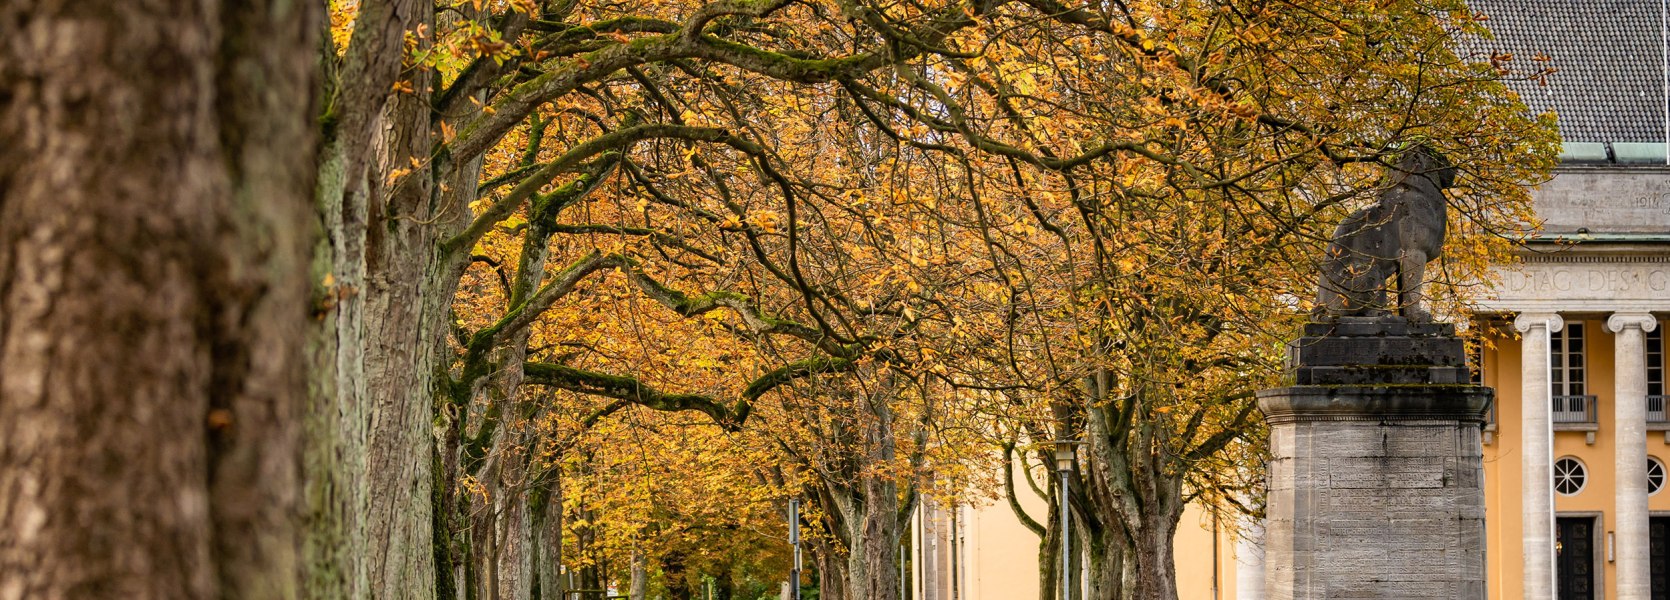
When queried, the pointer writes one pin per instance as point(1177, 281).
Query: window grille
point(1569, 476)
point(1655, 377)
point(1655, 361)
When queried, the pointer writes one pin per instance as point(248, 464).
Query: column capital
point(1619, 320)
point(1526, 320)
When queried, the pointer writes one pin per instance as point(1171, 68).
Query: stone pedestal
point(1375, 483)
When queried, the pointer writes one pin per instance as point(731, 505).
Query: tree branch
point(1009, 491)
point(522, 316)
point(742, 305)
point(619, 139)
point(627, 389)
point(634, 391)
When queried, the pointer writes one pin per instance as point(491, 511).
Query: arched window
point(1569, 476)
point(1655, 475)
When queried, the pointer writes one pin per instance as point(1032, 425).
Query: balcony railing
point(1655, 410)
point(1574, 409)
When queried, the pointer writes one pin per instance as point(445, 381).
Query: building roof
point(1609, 56)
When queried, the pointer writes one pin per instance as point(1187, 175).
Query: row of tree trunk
point(180, 248)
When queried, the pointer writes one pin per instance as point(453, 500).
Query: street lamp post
point(794, 540)
point(1064, 454)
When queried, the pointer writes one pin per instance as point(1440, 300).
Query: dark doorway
point(1575, 558)
point(1659, 541)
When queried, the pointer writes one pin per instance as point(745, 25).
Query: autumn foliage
point(866, 245)
point(596, 287)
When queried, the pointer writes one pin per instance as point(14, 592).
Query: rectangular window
point(1565, 359)
point(1655, 361)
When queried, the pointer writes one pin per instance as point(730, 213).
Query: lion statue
point(1396, 236)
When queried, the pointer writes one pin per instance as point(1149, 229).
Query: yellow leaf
point(395, 176)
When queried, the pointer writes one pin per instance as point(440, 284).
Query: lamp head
point(1064, 454)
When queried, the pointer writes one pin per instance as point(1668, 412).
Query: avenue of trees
point(486, 299)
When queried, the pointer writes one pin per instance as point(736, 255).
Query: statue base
point(1377, 351)
point(1376, 476)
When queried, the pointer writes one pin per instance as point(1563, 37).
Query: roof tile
point(1609, 56)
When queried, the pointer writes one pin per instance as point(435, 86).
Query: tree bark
point(504, 523)
point(1156, 574)
point(1143, 504)
point(548, 536)
point(869, 506)
point(1049, 559)
point(369, 459)
point(858, 569)
point(879, 539)
point(640, 576)
point(1107, 568)
point(153, 297)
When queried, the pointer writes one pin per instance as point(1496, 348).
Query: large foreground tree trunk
point(364, 447)
point(154, 229)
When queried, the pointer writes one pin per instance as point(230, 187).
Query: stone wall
point(1375, 509)
point(1605, 200)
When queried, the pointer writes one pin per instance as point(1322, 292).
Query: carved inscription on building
point(1586, 281)
point(1606, 202)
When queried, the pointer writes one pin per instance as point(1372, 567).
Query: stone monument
point(1375, 480)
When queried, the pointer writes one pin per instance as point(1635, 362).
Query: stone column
point(1630, 431)
point(1376, 473)
point(1536, 454)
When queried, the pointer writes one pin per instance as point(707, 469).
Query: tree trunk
point(1102, 575)
point(381, 312)
point(872, 515)
point(548, 536)
point(1049, 557)
point(640, 576)
point(504, 524)
point(1156, 572)
point(503, 532)
point(1141, 502)
point(881, 554)
point(879, 540)
point(724, 586)
point(1107, 568)
point(858, 571)
point(154, 231)
point(832, 575)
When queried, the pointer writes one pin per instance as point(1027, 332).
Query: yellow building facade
point(1585, 439)
point(981, 551)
